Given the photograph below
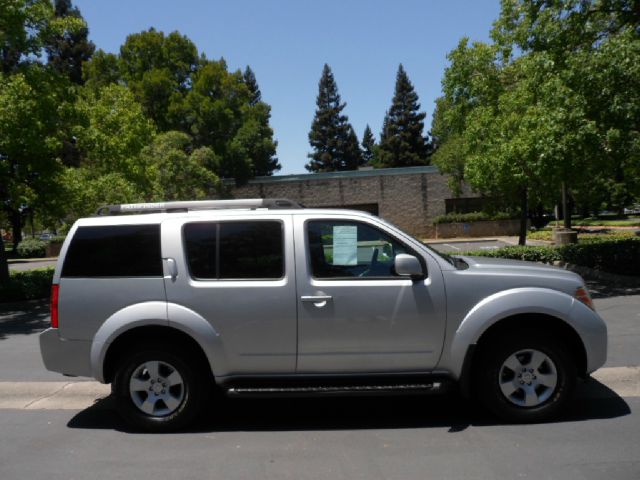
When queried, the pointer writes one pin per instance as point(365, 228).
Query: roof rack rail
point(187, 206)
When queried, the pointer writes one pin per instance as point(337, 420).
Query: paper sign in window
point(345, 245)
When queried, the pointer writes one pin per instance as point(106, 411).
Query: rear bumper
point(70, 357)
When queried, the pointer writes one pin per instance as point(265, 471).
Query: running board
point(341, 390)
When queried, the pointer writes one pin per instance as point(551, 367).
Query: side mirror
point(408, 266)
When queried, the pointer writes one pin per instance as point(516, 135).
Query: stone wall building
point(408, 197)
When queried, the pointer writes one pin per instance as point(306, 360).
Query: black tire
point(188, 395)
point(493, 370)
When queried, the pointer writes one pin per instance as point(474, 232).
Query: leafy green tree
point(158, 68)
point(101, 70)
point(29, 140)
point(23, 28)
point(331, 135)
point(368, 146)
point(113, 132)
point(84, 190)
point(255, 95)
point(180, 171)
point(69, 48)
point(402, 142)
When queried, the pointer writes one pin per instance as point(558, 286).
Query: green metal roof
point(376, 172)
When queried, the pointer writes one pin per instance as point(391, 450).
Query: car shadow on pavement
point(593, 401)
point(23, 318)
point(603, 289)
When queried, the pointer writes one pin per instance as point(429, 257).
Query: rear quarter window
point(114, 251)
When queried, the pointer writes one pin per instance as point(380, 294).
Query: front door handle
point(315, 298)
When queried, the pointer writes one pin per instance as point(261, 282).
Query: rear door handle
point(172, 267)
point(315, 298)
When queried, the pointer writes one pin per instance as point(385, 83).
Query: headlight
point(582, 294)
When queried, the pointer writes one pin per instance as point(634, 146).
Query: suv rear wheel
point(526, 377)
point(160, 390)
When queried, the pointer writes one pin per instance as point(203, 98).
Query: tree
point(249, 77)
point(68, 48)
point(112, 133)
point(518, 120)
point(84, 190)
point(23, 28)
point(368, 146)
point(331, 135)
point(179, 171)
point(101, 70)
point(30, 113)
point(402, 142)
point(158, 69)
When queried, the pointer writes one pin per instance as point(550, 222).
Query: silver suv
point(262, 297)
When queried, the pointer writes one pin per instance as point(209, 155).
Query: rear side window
point(114, 251)
point(235, 250)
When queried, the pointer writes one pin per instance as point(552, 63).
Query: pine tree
point(401, 141)
point(252, 84)
point(334, 142)
point(368, 146)
point(352, 154)
point(67, 51)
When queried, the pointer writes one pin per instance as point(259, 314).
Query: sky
point(287, 42)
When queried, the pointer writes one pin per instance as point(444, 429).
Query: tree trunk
point(565, 208)
point(522, 240)
point(4, 266)
point(16, 227)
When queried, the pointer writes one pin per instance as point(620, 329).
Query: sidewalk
point(507, 240)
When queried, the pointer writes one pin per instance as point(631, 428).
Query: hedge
point(32, 248)
point(470, 217)
point(27, 285)
point(621, 256)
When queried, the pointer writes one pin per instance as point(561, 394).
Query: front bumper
point(593, 331)
point(69, 357)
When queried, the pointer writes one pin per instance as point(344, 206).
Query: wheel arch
point(129, 340)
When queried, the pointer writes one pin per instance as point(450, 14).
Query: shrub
point(32, 248)
point(616, 256)
point(619, 255)
point(519, 252)
point(470, 217)
point(28, 285)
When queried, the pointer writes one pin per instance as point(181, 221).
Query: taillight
point(582, 294)
point(55, 291)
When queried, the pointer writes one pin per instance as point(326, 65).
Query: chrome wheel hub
point(528, 378)
point(156, 388)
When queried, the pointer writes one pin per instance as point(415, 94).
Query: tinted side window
point(235, 250)
point(114, 251)
point(200, 242)
point(251, 250)
point(340, 249)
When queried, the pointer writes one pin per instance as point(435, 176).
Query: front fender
point(501, 305)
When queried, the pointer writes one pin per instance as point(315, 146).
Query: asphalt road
point(67, 436)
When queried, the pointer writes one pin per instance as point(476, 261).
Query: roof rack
point(169, 207)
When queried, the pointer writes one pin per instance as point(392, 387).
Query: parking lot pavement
point(21, 265)
point(56, 428)
point(456, 247)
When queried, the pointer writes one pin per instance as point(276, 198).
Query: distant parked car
point(45, 237)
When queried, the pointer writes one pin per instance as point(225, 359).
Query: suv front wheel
point(159, 390)
point(526, 377)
